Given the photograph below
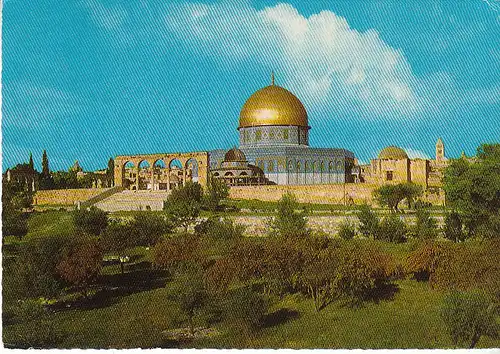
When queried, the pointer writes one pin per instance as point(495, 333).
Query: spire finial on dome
point(272, 78)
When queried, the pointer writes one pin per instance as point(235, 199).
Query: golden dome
point(273, 105)
point(392, 153)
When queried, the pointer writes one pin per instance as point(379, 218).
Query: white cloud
point(493, 4)
point(320, 58)
point(416, 154)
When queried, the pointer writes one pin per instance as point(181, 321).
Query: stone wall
point(65, 196)
point(329, 225)
point(320, 194)
point(357, 193)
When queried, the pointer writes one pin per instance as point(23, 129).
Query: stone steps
point(133, 201)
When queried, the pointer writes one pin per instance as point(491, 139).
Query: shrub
point(288, 222)
point(219, 276)
point(453, 227)
point(216, 191)
point(369, 223)
point(183, 205)
point(172, 253)
point(361, 269)
point(36, 329)
point(468, 317)
point(348, 271)
point(248, 258)
point(92, 221)
point(425, 226)
point(81, 263)
point(468, 268)
point(14, 222)
point(246, 310)
point(34, 272)
point(392, 229)
point(189, 291)
point(220, 229)
point(318, 276)
point(148, 228)
point(346, 231)
point(391, 195)
point(424, 261)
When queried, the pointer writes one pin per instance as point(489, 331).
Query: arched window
point(290, 165)
point(330, 166)
point(270, 166)
point(322, 167)
point(298, 166)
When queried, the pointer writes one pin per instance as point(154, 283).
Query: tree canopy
point(473, 188)
point(391, 195)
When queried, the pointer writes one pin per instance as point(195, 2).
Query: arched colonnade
point(160, 171)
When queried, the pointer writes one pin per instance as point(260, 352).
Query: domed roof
point(235, 155)
point(273, 105)
point(392, 153)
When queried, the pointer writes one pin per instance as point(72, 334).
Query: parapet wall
point(350, 193)
point(65, 196)
point(320, 194)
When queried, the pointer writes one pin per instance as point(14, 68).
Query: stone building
point(274, 136)
point(23, 174)
point(236, 171)
point(394, 166)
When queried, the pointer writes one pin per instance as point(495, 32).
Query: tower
point(440, 151)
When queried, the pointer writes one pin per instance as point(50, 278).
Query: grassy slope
point(50, 223)
point(409, 320)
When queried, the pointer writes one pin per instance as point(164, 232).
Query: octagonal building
point(274, 136)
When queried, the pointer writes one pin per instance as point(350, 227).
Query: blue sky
point(90, 79)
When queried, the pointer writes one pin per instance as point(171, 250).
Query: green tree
point(369, 223)
point(216, 191)
point(110, 172)
point(117, 237)
point(189, 291)
point(36, 328)
point(183, 205)
point(92, 221)
point(148, 228)
point(30, 163)
point(473, 188)
point(246, 310)
point(45, 164)
point(425, 225)
point(46, 181)
point(288, 221)
point(468, 317)
point(172, 253)
point(34, 272)
point(15, 198)
point(81, 262)
point(391, 195)
point(453, 227)
point(392, 229)
point(347, 231)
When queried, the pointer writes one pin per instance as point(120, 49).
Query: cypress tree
point(31, 165)
point(111, 172)
point(45, 164)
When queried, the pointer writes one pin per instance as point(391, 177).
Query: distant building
point(394, 166)
point(23, 174)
